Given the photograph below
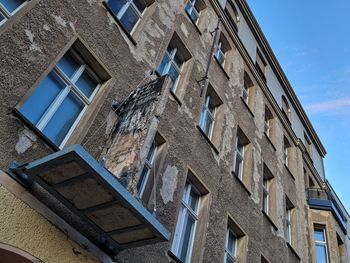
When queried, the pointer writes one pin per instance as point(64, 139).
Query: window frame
point(205, 114)
point(219, 52)
point(289, 225)
point(228, 253)
point(149, 165)
point(266, 195)
point(123, 10)
point(70, 88)
point(239, 154)
point(186, 210)
point(172, 62)
point(192, 4)
point(6, 14)
point(321, 243)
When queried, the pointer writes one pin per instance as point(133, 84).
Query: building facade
point(181, 103)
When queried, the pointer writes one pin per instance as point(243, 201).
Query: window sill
point(34, 129)
point(175, 258)
point(269, 219)
point(222, 68)
point(195, 25)
point(208, 140)
point(290, 173)
point(120, 24)
point(241, 183)
point(269, 140)
point(293, 251)
point(173, 94)
point(247, 106)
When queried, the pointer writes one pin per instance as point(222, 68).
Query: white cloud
point(329, 106)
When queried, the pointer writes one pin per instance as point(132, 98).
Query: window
point(241, 148)
point(128, 12)
point(232, 14)
point(308, 145)
point(145, 174)
point(193, 9)
point(9, 7)
point(235, 243)
point(221, 52)
point(286, 152)
point(268, 194)
point(261, 64)
point(187, 223)
point(268, 118)
point(230, 247)
point(208, 117)
point(239, 158)
point(320, 244)
point(285, 108)
point(58, 103)
point(289, 221)
point(173, 62)
point(245, 92)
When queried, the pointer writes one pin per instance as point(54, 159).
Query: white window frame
point(172, 62)
point(286, 154)
point(70, 87)
point(228, 253)
point(289, 225)
point(193, 9)
point(207, 114)
point(6, 14)
point(223, 54)
point(266, 195)
point(126, 6)
point(239, 154)
point(267, 125)
point(149, 165)
point(245, 92)
point(320, 242)
point(186, 210)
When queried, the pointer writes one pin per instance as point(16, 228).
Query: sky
point(311, 40)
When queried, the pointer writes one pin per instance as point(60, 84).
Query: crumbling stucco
point(25, 140)
point(169, 182)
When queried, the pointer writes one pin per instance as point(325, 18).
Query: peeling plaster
point(169, 184)
point(186, 110)
point(184, 29)
point(34, 46)
point(26, 140)
point(46, 27)
point(60, 21)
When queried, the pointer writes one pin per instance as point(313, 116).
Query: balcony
point(78, 189)
point(320, 199)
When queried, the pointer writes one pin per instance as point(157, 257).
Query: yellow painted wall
point(23, 227)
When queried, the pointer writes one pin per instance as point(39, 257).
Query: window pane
point(116, 5)
point(68, 65)
point(193, 201)
point(229, 260)
point(86, 84)
point(11, 5)
point(163, 65)
point(186, 238)
point(140, 5)
point(63, 119)
point(231, 243)
point(178, 61)
point(143, 178)
point(319, 235)
point(1, 17)
point(190, 10)
point(151, 152)
point(40, 100)
point(238, 166)
point(321, 254)
point(129, 19)
point(173, 73)
point(220, 56)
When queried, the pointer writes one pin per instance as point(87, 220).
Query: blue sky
point(311, 40)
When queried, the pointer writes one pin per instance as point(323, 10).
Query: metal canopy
point(75, 186)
